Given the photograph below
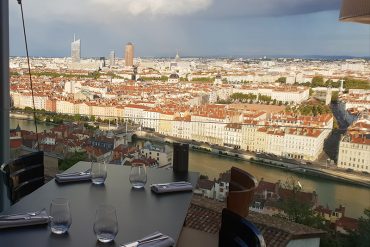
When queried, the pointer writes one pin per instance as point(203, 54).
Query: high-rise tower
point(112, 58)
point(129, 54)
point(76, 50)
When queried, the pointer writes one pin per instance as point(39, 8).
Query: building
point(162, 155)
point(354, 147)
point(173, 78)
point(76, 50)
point(112, 58)
point(129, 55)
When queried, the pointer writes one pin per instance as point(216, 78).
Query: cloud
point(109, 11)
point(268, 8)
point(196, 27)
point(156, 7)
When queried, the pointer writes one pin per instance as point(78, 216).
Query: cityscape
point(299, 125)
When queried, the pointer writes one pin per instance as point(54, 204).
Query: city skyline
point(281, 28)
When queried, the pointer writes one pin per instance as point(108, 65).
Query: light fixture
point(355, 11)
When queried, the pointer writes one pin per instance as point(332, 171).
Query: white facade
point(353, 155)
point(151, 119)
point(134, 113)
point(162, 156)
point(208, 129)
point(65, 107)
point(25, 100)
point(233, 135)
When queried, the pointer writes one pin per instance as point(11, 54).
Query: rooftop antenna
point(74, 37)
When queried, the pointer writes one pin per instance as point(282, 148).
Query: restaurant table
point(139, 212)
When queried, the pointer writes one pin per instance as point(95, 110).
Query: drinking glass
point(106, 225)
point(138, 176)
point(60, 213)
point(98, 172)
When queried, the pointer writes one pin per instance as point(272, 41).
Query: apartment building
point(65, 107)
point(135, 113)
point(354, 147)
point(162, 155)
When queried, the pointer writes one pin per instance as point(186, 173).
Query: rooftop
point(205, 215)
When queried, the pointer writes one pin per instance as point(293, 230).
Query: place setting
point(97, 174)
point(60, 219)
point(138, 180)
point(40, 217)
point(108, 219)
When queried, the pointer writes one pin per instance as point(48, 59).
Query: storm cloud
point(195, 27)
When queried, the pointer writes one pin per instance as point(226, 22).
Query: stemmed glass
point(106, 225)
point(138, 175)
point(60, 213)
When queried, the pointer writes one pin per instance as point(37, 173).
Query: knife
point(137, 243)
point(18, 216)
point(173, 183)
point(74, 174)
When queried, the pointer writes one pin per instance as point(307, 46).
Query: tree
point(361, 237)
point(297, 211)
point(334, 97)
point(318, 81)
point(350, 83)
point(281, 80)
point(73, 159)
point(28, 109)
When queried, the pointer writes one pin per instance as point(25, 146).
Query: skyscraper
point(76, 50)
point(112, 58)
point(129, 54)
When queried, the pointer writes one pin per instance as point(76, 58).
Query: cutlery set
point(153, 238)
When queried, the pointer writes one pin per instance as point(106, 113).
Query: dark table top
point(139, 212)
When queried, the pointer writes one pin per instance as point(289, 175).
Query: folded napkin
point(171, 187)
point(72, 177)
point(26, 219)
point(160, 241)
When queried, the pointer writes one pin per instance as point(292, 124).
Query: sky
point(196, 28)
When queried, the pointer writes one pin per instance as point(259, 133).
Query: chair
point(23, 175)
point(241, 191)
point(237, 231)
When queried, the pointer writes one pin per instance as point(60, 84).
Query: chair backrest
point(237, 231)
point(241, 191)
point(23, 175)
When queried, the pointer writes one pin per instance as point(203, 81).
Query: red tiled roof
point(265, 186)
point(205, 215)
point(15, 143)
point(347, 223)
point(205, 184)
point(304, 197)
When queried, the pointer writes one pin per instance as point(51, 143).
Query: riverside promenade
point(315, 169)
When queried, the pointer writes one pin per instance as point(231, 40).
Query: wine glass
point(98, 172)
point(138, 175)
point(106, 225)
point(60, 213)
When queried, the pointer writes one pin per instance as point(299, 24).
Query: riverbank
point(20, 116)
point(268, 160)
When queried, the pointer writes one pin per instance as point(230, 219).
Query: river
point(331, 193)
